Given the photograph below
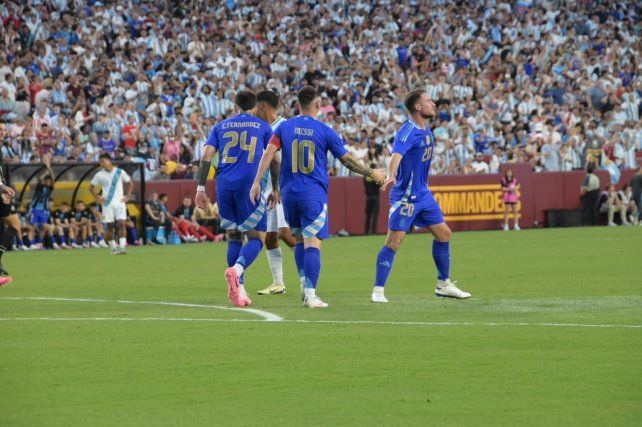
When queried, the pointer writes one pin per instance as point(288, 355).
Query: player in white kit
point(277, 226)
point(114, 202)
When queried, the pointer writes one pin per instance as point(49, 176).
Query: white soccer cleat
point(76, 246)
point(448, 289)
point(506, 227)
point(103, 244)
point(314, 302)
point(94, 244)
point(56, 246)
point(65, 246)
point(516, 228)
point(377, 295)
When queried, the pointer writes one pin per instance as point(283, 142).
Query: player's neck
point(419, 121)
point(310, 113)
point(272, 118)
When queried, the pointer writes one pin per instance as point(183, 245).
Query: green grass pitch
point(551, 337)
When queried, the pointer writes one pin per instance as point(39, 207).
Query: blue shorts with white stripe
point(307, 218)
point(238, 212)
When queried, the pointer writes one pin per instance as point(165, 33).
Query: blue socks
point(249, 252)
point(299, 259)
point(233, 251)
point(441, 255)
point(312, 267)
point(384, 264)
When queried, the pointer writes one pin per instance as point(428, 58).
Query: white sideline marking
point(340, 322)
point(266, 315)
point(271, 317)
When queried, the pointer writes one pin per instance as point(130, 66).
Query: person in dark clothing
point(155, 217)
point(372, 203)
point(636, 185)
point(589, 196)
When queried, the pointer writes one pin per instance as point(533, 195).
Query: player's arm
point(350, 162)
point(130, 190)
point(203, 171)
point(266, 160)
point(393, 167)
point(92, 189)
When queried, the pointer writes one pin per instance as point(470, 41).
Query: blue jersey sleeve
point(213, 139)
point(335, 144)
point(403, 139)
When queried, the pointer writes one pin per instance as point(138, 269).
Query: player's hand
point(201, 199)
point(273, 199)
point(6, 190)
point(100, 199)
point(379, 177)
point(125, 199)
point(389, 180)
point(255, 193)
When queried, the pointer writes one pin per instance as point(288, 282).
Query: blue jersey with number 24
point(240, 140)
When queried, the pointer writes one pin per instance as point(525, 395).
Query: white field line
point(271, 317)
point(266, 315)
point(339, 322)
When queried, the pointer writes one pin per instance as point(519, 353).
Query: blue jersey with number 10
point(305, 142)
point(416, 146)
point(240, 140)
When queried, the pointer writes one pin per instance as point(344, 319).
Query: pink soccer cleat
point(245, 299)
point(232, 280)
point(5, 280)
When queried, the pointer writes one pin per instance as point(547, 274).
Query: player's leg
point(11, 230)
point(273, 252)
point(109, 216)
point(122, 236)
point(400, 219)
point(515, 218)
point(100, 232)
point(441, 255)
point(385, 260)
point(506, 214)
point(314, 222)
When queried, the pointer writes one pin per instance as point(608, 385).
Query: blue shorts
point(37, 217)
point(238, 212)
point(307, 218)
point(423, 213)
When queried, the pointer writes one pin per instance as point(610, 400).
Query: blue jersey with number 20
point(305, 143)
point(416, 146)
point(240, 140)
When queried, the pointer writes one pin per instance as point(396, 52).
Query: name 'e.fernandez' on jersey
point(305, 143)
point(416, 145)
point(240, 140)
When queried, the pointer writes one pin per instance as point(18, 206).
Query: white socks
point(239, 269)
point(122, 242)
point(378, 290)
point(310, 293)
point(275, 260)
point(112, 244)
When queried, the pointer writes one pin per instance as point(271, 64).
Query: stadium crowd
point(553, 83)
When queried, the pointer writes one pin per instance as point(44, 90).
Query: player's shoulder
point(407, 131)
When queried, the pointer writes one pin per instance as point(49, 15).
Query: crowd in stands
point(553, 83)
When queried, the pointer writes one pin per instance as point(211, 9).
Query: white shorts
point(114, 212)
point(276, 219)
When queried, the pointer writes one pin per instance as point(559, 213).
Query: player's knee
point(444, 234)
point(394, 242)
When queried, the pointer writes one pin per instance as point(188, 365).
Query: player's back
point(416, 146)
point(240, 140)
point(305, 143)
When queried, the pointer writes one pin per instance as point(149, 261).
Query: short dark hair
point(104, 156)
point(590, 167)
point(245, 100)
point(268, 96)
point(306, 95)
point(160, 196)
point(412, 98)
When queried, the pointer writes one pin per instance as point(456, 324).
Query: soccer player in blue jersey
point(303, 179)
point(411, 202)
point(240, 140)
point(267, 103)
